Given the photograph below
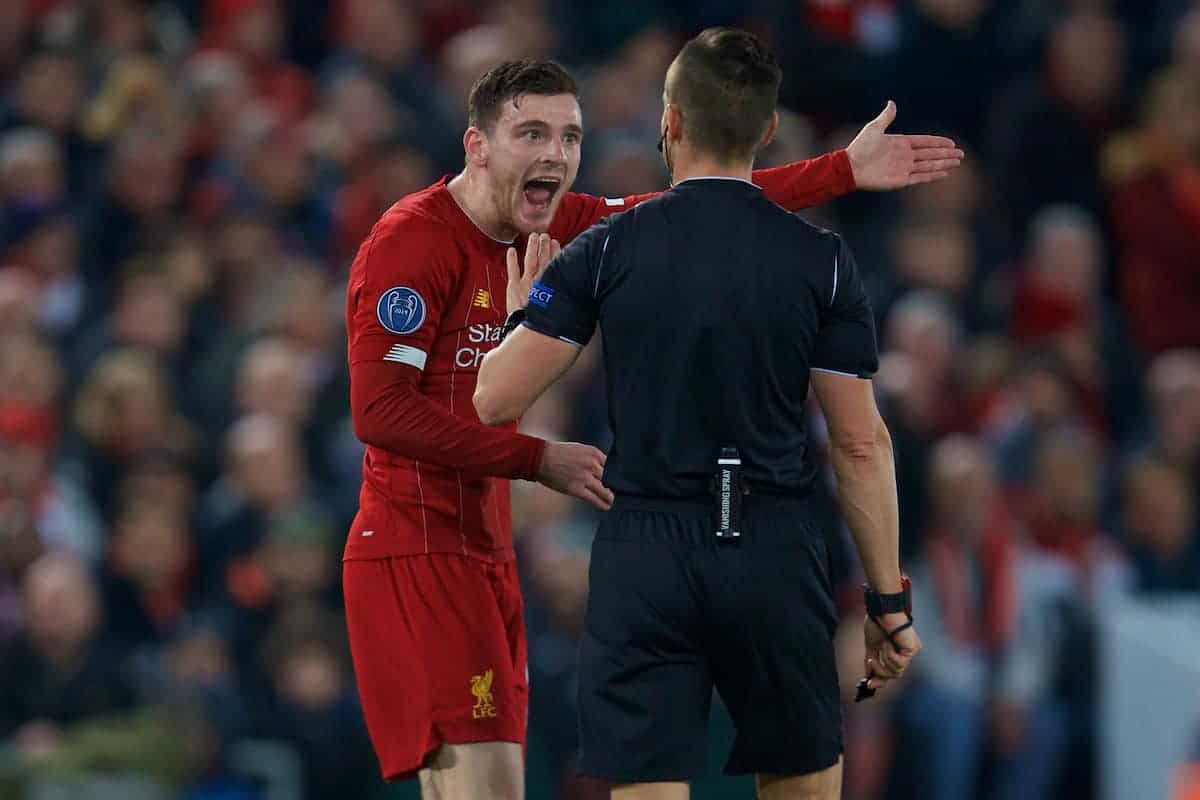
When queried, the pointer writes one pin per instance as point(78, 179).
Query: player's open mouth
point(540, 191)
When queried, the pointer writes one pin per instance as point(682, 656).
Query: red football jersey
point(425, 302)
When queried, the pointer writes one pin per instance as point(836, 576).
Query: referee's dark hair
point(512, 80)
point(725, 83)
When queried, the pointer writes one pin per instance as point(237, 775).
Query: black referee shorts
point(673, 612)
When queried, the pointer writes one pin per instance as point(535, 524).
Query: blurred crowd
point(183, 184)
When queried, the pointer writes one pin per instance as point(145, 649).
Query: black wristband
point(510, 324)
point(899, 602)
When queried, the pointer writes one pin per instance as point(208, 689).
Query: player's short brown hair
point(725, 83)
point(512, 80)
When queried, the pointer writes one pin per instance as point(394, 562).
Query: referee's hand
point(884, 660)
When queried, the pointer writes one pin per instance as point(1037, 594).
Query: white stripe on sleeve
point(834, 372)
point(403, 354)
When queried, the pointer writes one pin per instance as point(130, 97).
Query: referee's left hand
point(887, 661)
point(881, 161)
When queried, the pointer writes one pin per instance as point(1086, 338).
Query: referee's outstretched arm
point(861, 452)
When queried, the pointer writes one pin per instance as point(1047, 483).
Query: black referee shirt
point(715, 304)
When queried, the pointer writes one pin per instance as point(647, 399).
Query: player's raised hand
point(540, 250)
point(575, 469)
point(881, 161)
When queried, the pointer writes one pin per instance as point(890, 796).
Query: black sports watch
point(879, 603)
point(514, 319)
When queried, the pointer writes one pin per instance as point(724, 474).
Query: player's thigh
point(825, 784)
point(390, 673)
point(773, 652)
point(493, 770)
point(510, 605)
point(438, 655)
point(474, 646)
point(650, 791)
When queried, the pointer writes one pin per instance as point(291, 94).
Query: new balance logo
point(483, 299)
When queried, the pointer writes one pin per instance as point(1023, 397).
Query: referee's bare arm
point(861, 453)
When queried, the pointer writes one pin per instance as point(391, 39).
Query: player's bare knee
point(502, 781)
point(457, 784)
point(429, 789)
point(469, 771)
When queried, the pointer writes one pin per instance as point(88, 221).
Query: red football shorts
point(438, 642)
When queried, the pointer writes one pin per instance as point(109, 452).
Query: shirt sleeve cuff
point(848, 372)
point(532, 450)
point(844, 172)
point(575, 337)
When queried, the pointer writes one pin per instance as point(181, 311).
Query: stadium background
point(182, 187)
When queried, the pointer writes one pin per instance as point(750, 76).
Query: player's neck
point(707, 167)
point(478, 201)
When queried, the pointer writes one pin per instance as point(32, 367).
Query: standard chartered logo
point(483, 337)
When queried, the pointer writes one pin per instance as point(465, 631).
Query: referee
point(718, 308)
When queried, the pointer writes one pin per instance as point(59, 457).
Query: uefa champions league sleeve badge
point(401, 310)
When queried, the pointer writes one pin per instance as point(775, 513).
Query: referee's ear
point(673, 122)
point(771, 128)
